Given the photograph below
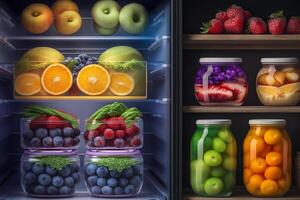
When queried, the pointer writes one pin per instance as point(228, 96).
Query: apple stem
point(70, 20)
point(35, 14)
point(106, 11)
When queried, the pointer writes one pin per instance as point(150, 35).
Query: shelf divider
point(241, 109)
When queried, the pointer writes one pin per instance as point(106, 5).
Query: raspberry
point(109, 134)
point(135, 142)
point(93, 134)
point(99, 141)
point(102, 128)
point(113, 123)
point(133, 130)
point(120, 133)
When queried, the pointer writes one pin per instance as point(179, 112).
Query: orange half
point(121, 84)
point(27, 84)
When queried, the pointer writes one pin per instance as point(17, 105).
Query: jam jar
point(278, 82)
point(267, 158)
point(221, 81)
point(213, 158)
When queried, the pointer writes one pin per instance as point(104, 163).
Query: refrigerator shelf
point(241, 109)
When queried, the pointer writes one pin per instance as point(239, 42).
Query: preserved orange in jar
point(267, 158)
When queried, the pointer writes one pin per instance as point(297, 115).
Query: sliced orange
point(93, 79)
point(27, 84)
point(121, 84)
point(57, 79)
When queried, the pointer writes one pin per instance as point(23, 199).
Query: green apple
point(199, 174)
point(229, 163)
point(218, 171)
point(105, 31)
point(106, 13)
point(212, 158)
point(213, 186)
point(213, 132)
point(225, 135)
point(218, 145)
point(133, 18)
point(229, 180)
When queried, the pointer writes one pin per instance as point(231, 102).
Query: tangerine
point(273, 136)
point(269, 188)
point(273, 173)
point(273, 158)
point(258, 165)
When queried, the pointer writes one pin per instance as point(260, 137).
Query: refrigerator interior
point(154, 44)
point(194, 13)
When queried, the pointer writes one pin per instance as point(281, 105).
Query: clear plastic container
point(278, 82)
point(213, 158)
point(50, 173)
point(44, 133)
point(267, 158)
point(221, 81)
point(114, 173)
point(113, 134)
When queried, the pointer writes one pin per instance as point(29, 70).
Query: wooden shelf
point(242, 41)
point(241, 109)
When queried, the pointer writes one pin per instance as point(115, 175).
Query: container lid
point(221, 60)
point(279, 60)
point(213, 122)
point(112, 153)
point(267, 121)
point(52, 153)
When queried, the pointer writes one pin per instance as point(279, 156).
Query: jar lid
point(52, 153)
point(213, 122)
point(112, 153)
point(279, 60)
point(267, 121)
point(221, 60)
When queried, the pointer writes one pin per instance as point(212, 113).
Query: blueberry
point(69, 181)
point(119, 142)
point(75, 167)
point(47, 142)
point(28, 135)
point(92, 180)
point(106, 190)
point(91, 169)
point(68, 142)
point(76, 141)
point(27, 166)
point(129, 189)
point(136, 181)
point(101, 182)
point(76, 132)
point(66, 171)
point(55, 132)
point(29, 178)
point(138, 169)
point(50, 171)
point(68, 132)
point(37, 169)
point(51, 190)
point(118, 191)
point(41, 133)
point(58, 141)
point(115, 174)
point(76, 176)
point(44, 179)
point(39, 189)
point(35, 142)
point(128, 172)
point(96, 190)
point(123, 182)
point(112, 182)
point(102, 172)
point(64, 190)
point(57, 181)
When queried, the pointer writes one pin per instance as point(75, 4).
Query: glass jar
point(213, 158)
point(267, 158)
point(278, 82)
point(113, 173)
point(50, 173)
point(42, 134)
point(221, 81)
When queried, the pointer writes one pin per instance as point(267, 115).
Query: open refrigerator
point(155, 43)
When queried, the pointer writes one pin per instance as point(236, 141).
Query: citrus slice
point(93, 79)
point(57, 79)
point(121, 84)
point(27, 84)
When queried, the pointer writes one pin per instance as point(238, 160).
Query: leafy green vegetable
point(130, 116)
point(117, 163)
point(71, 64)
point(56, 162)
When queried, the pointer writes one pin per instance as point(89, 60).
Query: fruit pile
point(267, 162)
point(49, 128)
point(50, 176)
point(114, 176)
point(213, 165)
point(236, 20)
point(107, 15)
point(114, 126)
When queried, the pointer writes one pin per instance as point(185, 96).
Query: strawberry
point(214, 26)
point(120, 133)
point(234, 25)
point(109, 134)
point(247, 14)
point(113, 123)
point(277, 23)
point(102, 128)
point(56, 122)
point(257, 26)
point(214, 94)
point(135, 142)
point(234, 11)
point(222, 16)
point(133, 130)
point(293, 26)
point(39, 122)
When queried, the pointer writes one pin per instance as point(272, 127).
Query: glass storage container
point(213, 158)
point(50, 173)
point(113, 173)
point(278, 82)
point(48, 133)
point(267, 158)
point(221, 81)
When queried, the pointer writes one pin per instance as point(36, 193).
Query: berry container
point(113, 173)
point(112, 133)
point(221, 81)
point(43, 134)
point(50, 173)
point(213, 158)
point(278, 82)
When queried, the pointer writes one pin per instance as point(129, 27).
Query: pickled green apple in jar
point(213, 158)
